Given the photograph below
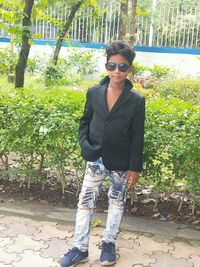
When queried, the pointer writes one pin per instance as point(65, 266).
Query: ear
point(131, 68)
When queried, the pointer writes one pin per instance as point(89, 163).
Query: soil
point(142, 202)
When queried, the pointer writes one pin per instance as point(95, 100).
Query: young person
point(111, 134)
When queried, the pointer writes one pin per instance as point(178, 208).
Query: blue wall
point(153, 49)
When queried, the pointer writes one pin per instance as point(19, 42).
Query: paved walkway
point(35, 235)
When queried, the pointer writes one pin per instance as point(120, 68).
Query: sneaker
point(108, 255)
point(73, 257)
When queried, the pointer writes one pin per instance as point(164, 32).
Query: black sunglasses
point(110, 66)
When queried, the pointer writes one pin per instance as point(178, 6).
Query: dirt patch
point(143, 202)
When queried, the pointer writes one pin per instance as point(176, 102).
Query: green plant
point(84, 62)
point(147, 77)
point(139, 69)
point(40, 127)
point(186, 89)
point(172, 145)
point(8, 60)
point(160, 71)
point(53, 75)
point(155, 71)
point(31, 65)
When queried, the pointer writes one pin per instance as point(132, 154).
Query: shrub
point(183, 88)
point(53, 75)
point(172, 149)
point(40, 127)
point(160, 71)
point(8, 59)
point(84, 62)
point(147, 77)
point(155, 71)
point(140, 69)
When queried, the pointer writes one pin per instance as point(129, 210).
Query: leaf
point(30, 41)
point(96, 222)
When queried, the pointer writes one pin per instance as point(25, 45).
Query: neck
point(116, 86)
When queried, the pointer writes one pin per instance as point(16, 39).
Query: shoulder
point(137, 96)
point(94, 89)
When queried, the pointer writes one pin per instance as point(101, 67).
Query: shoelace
point(108, 247)
point(71, 250)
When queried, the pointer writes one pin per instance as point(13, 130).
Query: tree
point(122, 19)
point(74, 7)
point(65, 29)
point(127, 21)
point(16, 19)
point(132, 38)
point(26, 43)
point(129, 11)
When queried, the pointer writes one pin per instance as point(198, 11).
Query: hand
point(132, 178)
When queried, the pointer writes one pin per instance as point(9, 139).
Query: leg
point(94, 176)
point(117, 200)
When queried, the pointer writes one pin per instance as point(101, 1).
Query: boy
point(111, 134)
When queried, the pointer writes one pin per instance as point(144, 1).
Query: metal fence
point(170, 23)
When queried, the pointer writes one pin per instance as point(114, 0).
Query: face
point(116, 75)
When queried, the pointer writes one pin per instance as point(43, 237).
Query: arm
point(135, 164)
point(84, 123)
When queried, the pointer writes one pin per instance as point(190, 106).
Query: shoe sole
point(84, 260)
point(107, 263)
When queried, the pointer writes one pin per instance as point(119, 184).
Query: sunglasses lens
point(111, 66)
point(123, 67)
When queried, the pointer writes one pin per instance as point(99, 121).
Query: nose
point(116, 70)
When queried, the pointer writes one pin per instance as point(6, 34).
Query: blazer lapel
point(102, 98)
point(123, 98)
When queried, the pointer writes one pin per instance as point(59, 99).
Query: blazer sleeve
point(84, 123)
point(137, 143)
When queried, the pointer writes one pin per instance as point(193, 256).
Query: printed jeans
point(94, 176)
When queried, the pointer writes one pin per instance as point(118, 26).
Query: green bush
point(139, 69)
point(53, 75)
point(84, 62)
point(8, 59)
point(147, 77)
point(40, 127)
point(156, 71)
point(172, 148)
point(160, 71)
point(183, 88)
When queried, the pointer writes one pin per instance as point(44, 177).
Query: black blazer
point(116, 136)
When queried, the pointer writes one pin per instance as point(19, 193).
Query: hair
point(120, 48)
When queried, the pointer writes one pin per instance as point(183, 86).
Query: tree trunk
point(23, 56)
point(122, 20)
point(64, 31)
point(133, 22)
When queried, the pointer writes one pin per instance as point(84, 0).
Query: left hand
point(132, 178)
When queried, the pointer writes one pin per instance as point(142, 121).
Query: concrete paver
point(55, 248)
point(31, 259)
point(195, 260)
point(41, 241)
point(167, 260)
point(24, 242)
point(185, 249)
point(149, 245)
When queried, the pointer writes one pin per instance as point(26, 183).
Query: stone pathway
point(25, 242)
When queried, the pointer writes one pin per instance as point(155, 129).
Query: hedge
point(39, 127)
